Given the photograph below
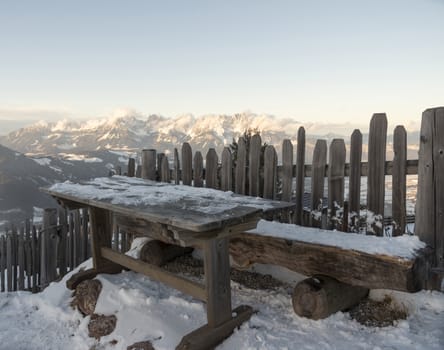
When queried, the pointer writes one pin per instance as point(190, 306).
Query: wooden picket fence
point(253, 170)
point(32, 256)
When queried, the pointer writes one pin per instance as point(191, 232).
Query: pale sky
point(327, 61)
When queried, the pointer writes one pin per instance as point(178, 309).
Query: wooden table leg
point(101, 233)
point(222, 320)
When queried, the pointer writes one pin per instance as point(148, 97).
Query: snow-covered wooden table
point(181, 215)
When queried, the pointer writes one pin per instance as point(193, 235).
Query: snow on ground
point(148, 310)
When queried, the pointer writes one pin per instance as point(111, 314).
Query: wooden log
point(226, 177)
point(287, 167)
point(377, 141)
point(317, 181)
point(241, 167)
point(270, 163)
point(254, 165)
point(399, 180)
point(158, 253)
point(353, 267)
point(149, 164)
point(198, 174)
point(300, 176)
point(211, 169)
point(187, 164)
point(131, 167)
point(321, 296)
point(354, 186)
point(336, 183)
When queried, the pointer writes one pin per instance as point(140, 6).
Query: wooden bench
point(345, 265)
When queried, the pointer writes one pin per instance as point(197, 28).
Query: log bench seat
point(398, 263)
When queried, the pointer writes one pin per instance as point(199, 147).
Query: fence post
point(48, 267)
point(254, 165)
point(187, 164)
point(198, 169)
point(270, 163)
point(399, 180)
point(429, 224)
point(241, 167)
point(131, 167)
point(211, 169)
point(317, 182)
point(176, 170)
point(226, 178)
point(2, 262)
point(300, 176)
point(149, 164)
point(287, 170)
point(354, 185)
point(336, 169)
point(377, 141)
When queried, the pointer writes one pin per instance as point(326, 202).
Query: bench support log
point(321, 296)
point(158, 253)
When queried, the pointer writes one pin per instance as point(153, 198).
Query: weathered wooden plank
point(176, 170)
point(349, 266)
point(149, 164)
point(317, 181)
point(438, 162)
point(354, 186)
point(70, 241)
point(21, 262)
point(63, 231)
point(299, 174)
point(287, 170)
point(9, 262)
point(187, 164)
point(377, 141)
point(207, 337)
point(14, 258)
point(77, 237)
point(3, 265)
point(399, 180)
point(101, 224)
point(198, 175)
point(270, 163)
point(240, 170)
point(84, 241)
point(217, 281)
point(226, 175)
point(35, 259)
point(254, 165)
point(131, 167)
point(180, 283)
point(139, 171)
point(336, 182)
point(165, 170)
point(160, 157)
point(28, 263)
point(211, 169)
point(52, 239)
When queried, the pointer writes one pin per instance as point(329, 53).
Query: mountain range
point(47, 152)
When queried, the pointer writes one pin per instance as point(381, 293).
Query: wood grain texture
point(270, 173)
point(320, 296)
point(226, 175)
point(300, 176)
point(376, 173)
point(336, 182)
point(149, 164)
point(131, 167)
point(187, 164)
point(353, 267)
point(198, 174)
point(254, 165)
point(317, 178)
point(240, 171)
point(211, 169)
point(438, 161)
point(399, 180)
point(287, 170)
point(176, 170)
point(354, 193)
point(165, 170)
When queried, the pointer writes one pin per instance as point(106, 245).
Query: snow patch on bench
point(404, 246)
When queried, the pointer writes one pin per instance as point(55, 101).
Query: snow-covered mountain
point(133, 133)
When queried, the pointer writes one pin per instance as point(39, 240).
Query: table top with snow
point(191, 208)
